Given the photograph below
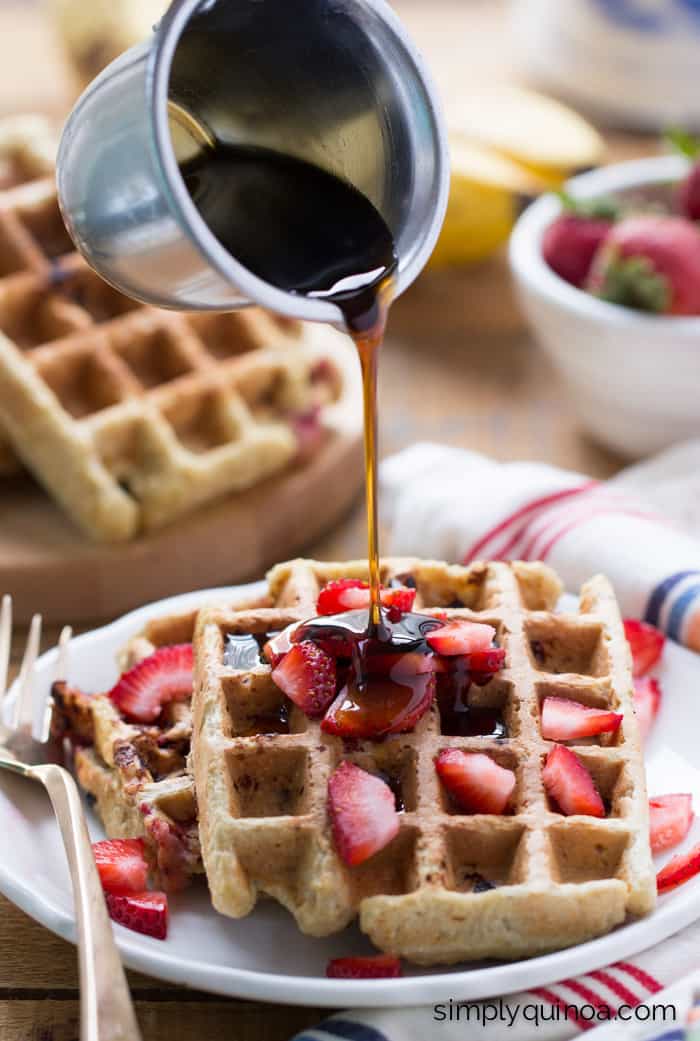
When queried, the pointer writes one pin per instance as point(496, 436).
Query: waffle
point(130, 416)
point(136, 774)
point(28, 147)
point(450, 886)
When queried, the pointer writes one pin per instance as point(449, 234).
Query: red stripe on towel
point(589, 996)
point(576, 522)
point(652, 985)
point(618, 988)
point(568, 1008)
point(525, 511)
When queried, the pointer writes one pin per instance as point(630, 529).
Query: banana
point(528, 127)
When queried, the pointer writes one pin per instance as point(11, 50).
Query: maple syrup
point(387, 674)
point(306, 231)
point(460, 719)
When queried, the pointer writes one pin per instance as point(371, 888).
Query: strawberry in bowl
point(618, 310)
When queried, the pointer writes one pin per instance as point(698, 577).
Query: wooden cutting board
point(47, 565)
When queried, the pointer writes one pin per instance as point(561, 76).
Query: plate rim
point(148, 956)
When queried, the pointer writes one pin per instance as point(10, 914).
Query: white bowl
point(634, 378)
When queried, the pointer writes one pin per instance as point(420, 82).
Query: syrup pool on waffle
point(368, 681)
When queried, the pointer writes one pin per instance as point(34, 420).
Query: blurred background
point(536, 92)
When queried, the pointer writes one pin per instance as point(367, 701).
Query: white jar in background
point(630, 63)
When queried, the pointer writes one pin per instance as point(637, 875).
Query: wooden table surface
point(458, 367)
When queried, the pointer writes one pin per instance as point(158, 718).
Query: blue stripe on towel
point(351, 1030)
point(679, 611)
point(658, 597)
point(672, 1035)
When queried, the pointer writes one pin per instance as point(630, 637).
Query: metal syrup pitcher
point(334, 82)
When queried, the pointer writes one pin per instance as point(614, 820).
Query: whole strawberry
point(572, 239)
point(688, 195)
point(651, 263)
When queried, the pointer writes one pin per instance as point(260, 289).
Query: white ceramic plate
point(264, 956)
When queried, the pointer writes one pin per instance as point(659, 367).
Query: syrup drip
point(457, 717)
point(368, 345)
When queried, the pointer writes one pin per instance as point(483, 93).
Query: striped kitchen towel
point(641, 529)
point(637, 999)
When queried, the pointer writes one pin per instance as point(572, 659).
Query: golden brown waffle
point(128, 415)
point(28, 147)
point(557, 880)
point(136, 773)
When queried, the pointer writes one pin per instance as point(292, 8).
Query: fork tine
point(23, 711)
point(5, 641)
point(60, 673)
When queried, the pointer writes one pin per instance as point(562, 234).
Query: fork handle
point(106, 1010)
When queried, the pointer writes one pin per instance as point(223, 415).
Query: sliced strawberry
point(384, 706)
point(487, 662)
point(401, 664)
point(647, 700)
point(121, 865)
point(566, 720)
point(279, 645)
point(461, 637)
point(307, 676)
point(343, 594)
point(375, 967)
point(142, 912)
point(166, 675)
point(569, 783)
point(646, 644)
point(475, 781)
point(350, 594)
point(670, 817)
point(399, 598)
point(363, 813)
point(679, 870)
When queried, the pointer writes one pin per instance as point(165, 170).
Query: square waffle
point(136, 774)
point(450, 886)
point(128, 415)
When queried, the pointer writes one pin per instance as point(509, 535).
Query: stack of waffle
point(130, 416)
point(136, 774)
point(451, 885)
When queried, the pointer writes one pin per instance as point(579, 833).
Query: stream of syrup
point(368, 345)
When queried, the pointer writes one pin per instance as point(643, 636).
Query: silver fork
point(106, 1011)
